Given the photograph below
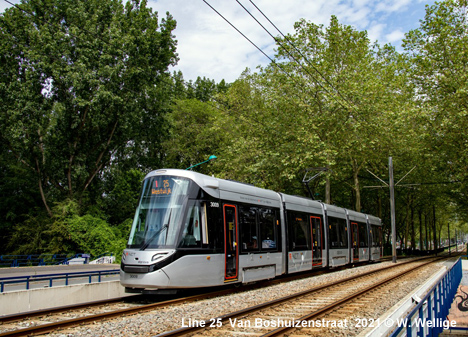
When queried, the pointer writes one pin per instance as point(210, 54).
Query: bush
point(94, 236)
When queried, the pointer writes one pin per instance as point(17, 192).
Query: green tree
point(331, 101)
point(81, 83)
point(122, 190)
point(438, 52)
point(198, 130)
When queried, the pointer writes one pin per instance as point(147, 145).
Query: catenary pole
point(392, 208)
point(450, 253)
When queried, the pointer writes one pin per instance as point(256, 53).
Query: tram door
point(355, 240)
point(231, 249)
point(317, 241)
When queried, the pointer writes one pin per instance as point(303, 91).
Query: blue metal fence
point(50, 278)
point(429, 317)
point(41, 259)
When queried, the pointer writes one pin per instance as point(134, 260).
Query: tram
point(191, 230)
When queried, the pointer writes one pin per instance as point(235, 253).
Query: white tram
point(191, 230)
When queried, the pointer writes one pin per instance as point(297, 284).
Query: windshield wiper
point(147, 243)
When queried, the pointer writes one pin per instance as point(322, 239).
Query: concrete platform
point(402, 308)
point(15, 302)
point(459, 309)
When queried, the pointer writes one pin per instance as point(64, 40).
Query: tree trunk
point(420, 232)
point(434, 227)
point(407, 226)
point(44, 198)
point(327, 190)
point(413, 239)
point(357, 189)
point(426, 236)
point(41, 190)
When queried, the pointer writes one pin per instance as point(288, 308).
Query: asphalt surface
point(51, 270)
point(43, 270)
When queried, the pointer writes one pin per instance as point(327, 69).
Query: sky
point(209, 47)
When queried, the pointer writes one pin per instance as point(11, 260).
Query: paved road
point(47, 270)
point(41, 270)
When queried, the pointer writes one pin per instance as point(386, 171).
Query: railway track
point(59, 318)
point(82, 315)
point(47, 320)
point(313, 312)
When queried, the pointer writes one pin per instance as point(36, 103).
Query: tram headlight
point(159, 257)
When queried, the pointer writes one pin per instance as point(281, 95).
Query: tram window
point(363, 235)
point(299, 231)
point(267, 222)
point(191, 233)
point(316, 232)
point(204, 224)
point(214, 234)
point(248, 228)
point(376, 236)
point(338, 233)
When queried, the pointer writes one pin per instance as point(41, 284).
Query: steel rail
point(282, 330)
point(44, 312)
point(282, 279)
point(43, 328)
point(240, 313)
point(48, 327)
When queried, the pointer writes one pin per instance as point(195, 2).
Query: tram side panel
point(201, 265)
point(359, 233)
point(253, 247)
point(377, 248)
point(299, 243)
point(364, 248)
point(375, 237)
point(338, 238)
point(225, 232)
point(260, 255)
point(306, 244)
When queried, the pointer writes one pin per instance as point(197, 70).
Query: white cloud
point(375, 32)
point(392, 5)
point(380, 19)
point(395, 36)
point(209, 47)
point(4, 5)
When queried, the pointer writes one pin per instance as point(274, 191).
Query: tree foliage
point(89, 107)
point(80, 82)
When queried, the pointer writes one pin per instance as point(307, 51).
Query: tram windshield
point(158, 216)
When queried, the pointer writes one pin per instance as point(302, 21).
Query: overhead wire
point(300, 53)
point(108, 43)
point(171, 83)
point(279, 66)
point(299, 86)
point(291, 55)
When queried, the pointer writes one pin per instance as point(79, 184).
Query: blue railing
point(429, 317)
point(51, 277)
point(40, 259)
